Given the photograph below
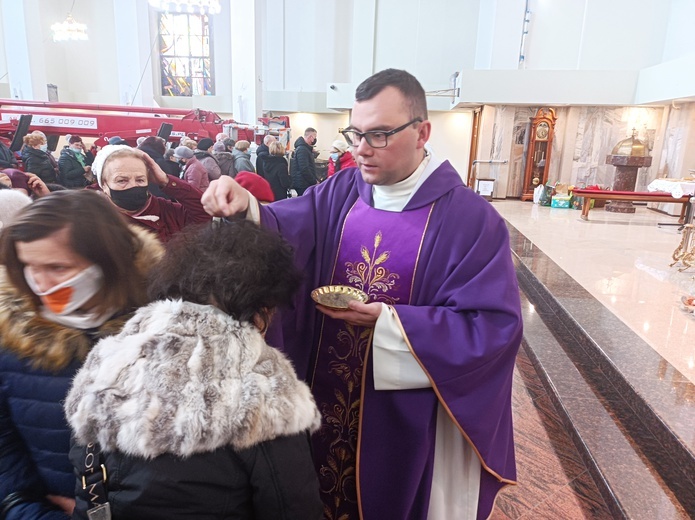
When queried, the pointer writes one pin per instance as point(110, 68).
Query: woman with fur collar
point(196, 416)
point(72, 270)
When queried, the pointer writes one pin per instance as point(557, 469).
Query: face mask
point(65, 298)
point(43, 147)
point(131, 199)
point(77, 150)
point(335, 156)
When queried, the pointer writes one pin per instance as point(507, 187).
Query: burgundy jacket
point(173, 216)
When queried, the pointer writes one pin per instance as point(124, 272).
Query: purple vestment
point(463, 323)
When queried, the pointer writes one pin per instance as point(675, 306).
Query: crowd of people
point(161, 355)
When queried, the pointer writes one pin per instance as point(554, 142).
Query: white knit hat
point(102, 155)
point(11, 201)
point(339, 145)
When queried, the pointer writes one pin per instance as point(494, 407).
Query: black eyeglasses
point(375, 138)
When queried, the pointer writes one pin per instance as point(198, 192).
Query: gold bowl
point(337, 296)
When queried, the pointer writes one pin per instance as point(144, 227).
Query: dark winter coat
point(39, 162)
point(71, 170)
point(303, 166)
point(38, 360)
point(196, 417)
point(261, 152)
point(169, 167)
point(276, 172)
point(226, 162)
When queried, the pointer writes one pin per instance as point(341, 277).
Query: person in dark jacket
point(203, 153)
point(224, 158)
point(263, 151)
point(155, 147)
point(74, 170)
point(303, 165)
point(125, 173)
point(195, 415)
point(276, 170)
point(37, 159)
point(72, 271)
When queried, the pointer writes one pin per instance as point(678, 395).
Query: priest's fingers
point(225, 197)
point(365, 316)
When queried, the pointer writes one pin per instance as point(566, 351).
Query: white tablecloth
point(673, 186)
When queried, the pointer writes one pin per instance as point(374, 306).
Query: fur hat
point(183, 152)
point(102, 155)
point(11, 201)
point(74, 139)
point(339, 145)
point(219, 147)
point(205, 144)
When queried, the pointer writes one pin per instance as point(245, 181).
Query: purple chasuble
point(377, 254)
point(462, 320)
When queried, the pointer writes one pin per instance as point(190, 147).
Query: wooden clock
point(538, 154)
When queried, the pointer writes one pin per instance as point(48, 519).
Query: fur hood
point(49, 345)
point(183, 378)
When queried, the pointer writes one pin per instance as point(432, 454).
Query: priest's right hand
point(225, 197)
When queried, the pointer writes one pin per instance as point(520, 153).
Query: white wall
point(679, 33)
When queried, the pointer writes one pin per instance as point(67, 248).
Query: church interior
point(527, 98)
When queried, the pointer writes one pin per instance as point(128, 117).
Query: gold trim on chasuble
point(342, 421)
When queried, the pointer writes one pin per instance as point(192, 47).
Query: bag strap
point(94, 475)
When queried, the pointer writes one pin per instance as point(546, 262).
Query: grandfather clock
point(538, 154)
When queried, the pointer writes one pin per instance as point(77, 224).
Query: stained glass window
point(184, 51)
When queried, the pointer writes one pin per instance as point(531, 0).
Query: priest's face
point(404, 150)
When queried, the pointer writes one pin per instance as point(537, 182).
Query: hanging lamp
point(70, 29)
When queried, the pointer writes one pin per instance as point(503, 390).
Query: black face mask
point(131, 199)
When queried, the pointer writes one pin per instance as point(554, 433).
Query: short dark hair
point(98, 232)
point(406, 83)
point(229, 142)
point(238, 267)
point(310, 131)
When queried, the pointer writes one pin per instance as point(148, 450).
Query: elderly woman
point(124, 173)
point(242, 157)
point(73, 270)
point(37, 159)
point(194, 414)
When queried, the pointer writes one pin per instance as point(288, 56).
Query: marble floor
point(622, 260)
point(552, 481)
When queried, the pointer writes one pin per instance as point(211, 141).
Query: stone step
point(635, 432)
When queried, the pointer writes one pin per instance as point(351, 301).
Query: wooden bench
point(648, 196)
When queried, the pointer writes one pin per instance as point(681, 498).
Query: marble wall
point(584, 136)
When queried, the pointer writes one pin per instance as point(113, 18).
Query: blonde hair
point(276, 148)
point(190, 143)
point(242, 145)
point(34, 139)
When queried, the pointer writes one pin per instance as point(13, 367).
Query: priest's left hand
point(359, 314)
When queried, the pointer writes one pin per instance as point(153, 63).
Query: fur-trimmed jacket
point(38, 359)
point(197, 417)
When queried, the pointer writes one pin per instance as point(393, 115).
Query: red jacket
point(196, 174)
point(344, 161)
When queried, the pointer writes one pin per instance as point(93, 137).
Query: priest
point(414, 385)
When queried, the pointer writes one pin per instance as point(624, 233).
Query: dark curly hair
point(238, 267)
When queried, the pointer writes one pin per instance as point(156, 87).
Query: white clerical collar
point(396, 196)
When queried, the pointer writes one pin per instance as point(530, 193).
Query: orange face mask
point(70, 295)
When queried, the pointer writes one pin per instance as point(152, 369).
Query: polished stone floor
point(623, 261)
point(552, 481)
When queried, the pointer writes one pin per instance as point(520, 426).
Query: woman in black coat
point(276, 170)
point(37, 160)
point(195, 415)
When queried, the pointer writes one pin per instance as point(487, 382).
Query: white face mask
point(43, 147)
point(68, 296)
